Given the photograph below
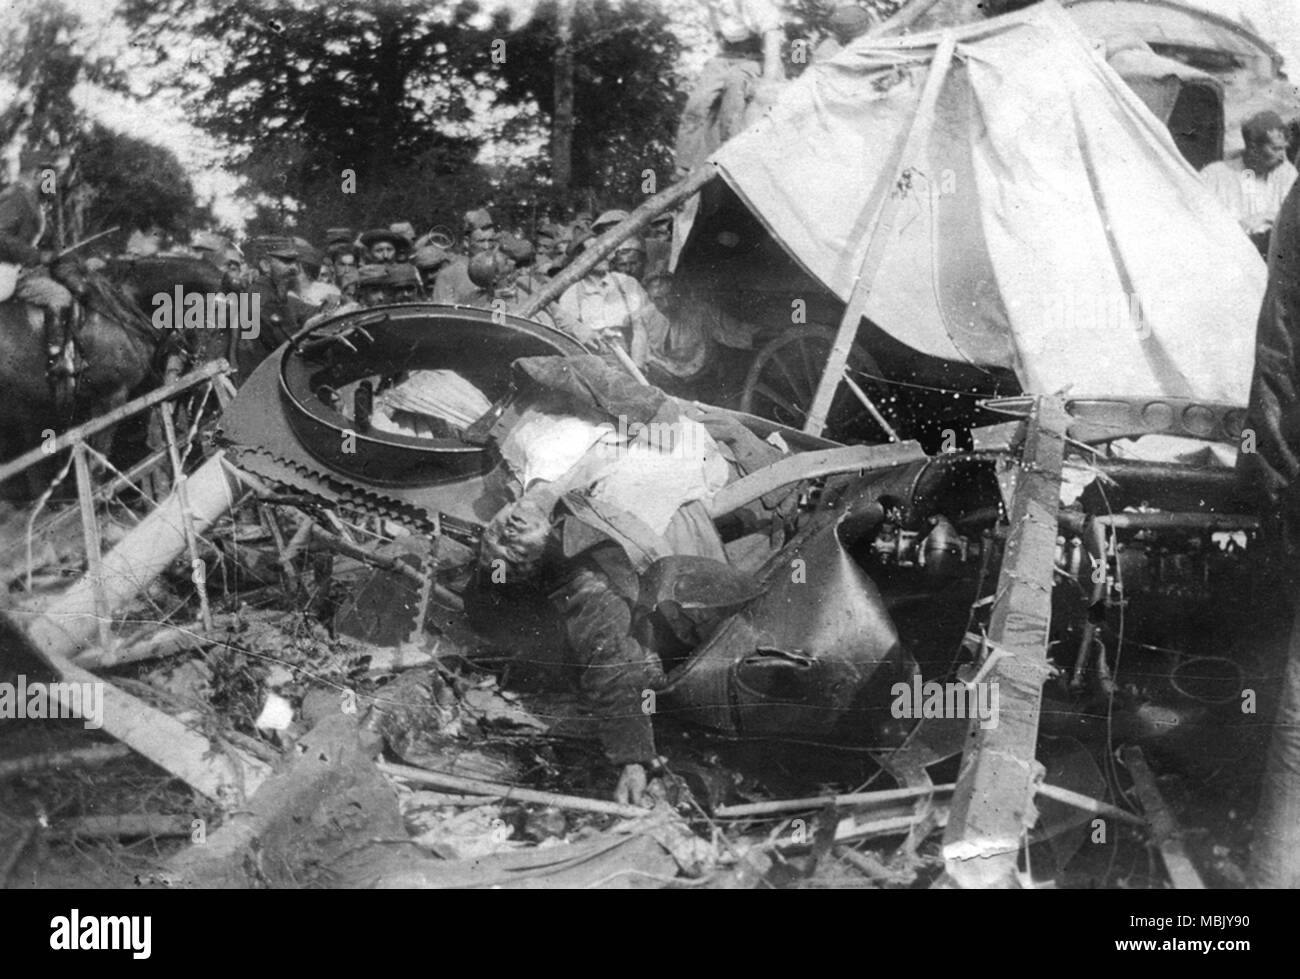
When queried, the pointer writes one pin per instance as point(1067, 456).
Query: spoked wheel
point(783, 380)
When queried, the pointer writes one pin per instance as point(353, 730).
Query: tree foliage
point(129, 183)
point(398, 94)
point(113, 179)
point(626, 96)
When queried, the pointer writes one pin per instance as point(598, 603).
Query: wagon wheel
point(783, 380)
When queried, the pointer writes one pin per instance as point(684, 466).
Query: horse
point(122, 352)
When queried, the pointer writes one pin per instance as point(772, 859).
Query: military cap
point(307, 254)
point(275, 246)
point(375, 235)
point(403, 274)
point(335, 236)
point(633, 244)
point(403, 228)
point(372, 275)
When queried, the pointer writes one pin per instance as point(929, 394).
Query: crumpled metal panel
point(816, 655)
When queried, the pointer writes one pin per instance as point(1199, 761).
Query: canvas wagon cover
point(1044, 221)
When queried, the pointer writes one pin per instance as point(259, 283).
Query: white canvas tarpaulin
point(1041, 218)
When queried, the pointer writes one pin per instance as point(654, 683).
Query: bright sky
point(161, 120)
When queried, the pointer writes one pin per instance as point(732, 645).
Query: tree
point(332, 111)
point(113, 179)
point(128, 183)
point(625, 97)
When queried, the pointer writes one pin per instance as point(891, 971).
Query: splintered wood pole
point(992, 806)
point(878, 240)
point(598, 248)
point(197, 571)
point(84, 431)
point(67, 626)
point(90, 534)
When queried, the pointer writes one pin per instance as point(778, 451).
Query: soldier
point(404, 285)
point(605, 307)
point(750, 35)
point(340, 236)
point(407, 230)
point(480, 232)
point(526, 279)
point(453, 284)
point(372, 285)
point(545, 246)
point(278, 270)
point(630, 258)
point(210, 247)
point(581, 225)
point(342, 257)
point(429, 260)
point(661, 228)
point(384, 245)
point(24, 268)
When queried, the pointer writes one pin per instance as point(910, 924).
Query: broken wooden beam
point(822, 801)
point(992, 805)
point(1164, 827)
point(1070, 798)
point(107, 420)
point(94, 548)
point(605, 244)
point(420, 776)
point(69, 623)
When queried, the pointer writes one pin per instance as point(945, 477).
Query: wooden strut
point(90, 535)
point(877, 243)
point(65, 627)
point(84, 431)
point(1071, 798)
point(600, 247)
point(198, 573)
point(474, 786)
point(992, 806)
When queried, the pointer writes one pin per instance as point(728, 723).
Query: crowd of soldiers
point(622, 301)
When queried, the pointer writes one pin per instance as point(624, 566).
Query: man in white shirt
point(605, 307)
point(750, 36)
point(1253, 185)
